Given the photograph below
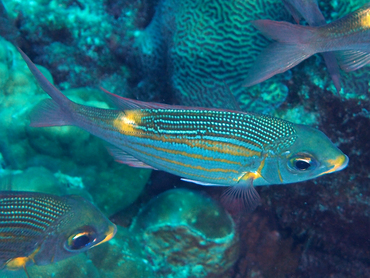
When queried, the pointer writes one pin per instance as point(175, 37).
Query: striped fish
point(206, 146)
point(42, 228)
point(348, 37)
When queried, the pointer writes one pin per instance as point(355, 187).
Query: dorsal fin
point(130, 104)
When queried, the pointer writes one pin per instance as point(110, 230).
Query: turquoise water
point(167, 227)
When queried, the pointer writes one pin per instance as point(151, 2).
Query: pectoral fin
point(243, 197)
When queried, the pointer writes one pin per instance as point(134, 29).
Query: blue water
point(168, 227)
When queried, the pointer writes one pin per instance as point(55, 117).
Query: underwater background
point(160, 51)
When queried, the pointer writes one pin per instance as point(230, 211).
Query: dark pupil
point(302, 165)
point(80, 242)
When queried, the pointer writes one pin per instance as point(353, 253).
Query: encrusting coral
point(186, 234)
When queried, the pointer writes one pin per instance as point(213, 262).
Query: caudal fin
point(49, 88)
point(49, 113)
point(286, 32)
point(276, 58)
point(292, 47)
point(333, 69)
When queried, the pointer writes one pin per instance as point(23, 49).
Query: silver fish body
point(206, 146)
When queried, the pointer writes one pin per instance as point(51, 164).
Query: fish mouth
point(112, 230)
point(337, 164)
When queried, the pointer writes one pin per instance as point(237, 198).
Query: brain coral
point(206, 48)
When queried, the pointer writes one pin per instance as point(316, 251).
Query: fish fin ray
point(309, 10)
point(130, 104)
point(25, 270)
point(285, 32)
point(49, 88)
point(333, 69)
point(125, 158)
point(350, 60)
point(274, 59)
point(293, 11)
point(241, 198)
point(49, 113)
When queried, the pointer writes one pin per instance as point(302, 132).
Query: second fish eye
point(79, 241)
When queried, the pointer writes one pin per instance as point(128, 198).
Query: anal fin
point(49, 113)
point(125, 158)
point(350, 60)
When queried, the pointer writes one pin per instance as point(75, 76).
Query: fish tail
point(292, 46)
point(333, 69)
point(49, 88)
point(49, 113)
point(57, 111)
point(284, 32)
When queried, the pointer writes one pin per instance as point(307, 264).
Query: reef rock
point(77, 267)
point(186, 234)
point(121, 257)
point(207, 48)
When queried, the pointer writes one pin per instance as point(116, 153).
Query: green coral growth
point(208, 48)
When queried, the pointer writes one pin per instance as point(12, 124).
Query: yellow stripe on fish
point(206, 146)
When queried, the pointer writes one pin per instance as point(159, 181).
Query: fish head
point(311, 155)
point(82, 228)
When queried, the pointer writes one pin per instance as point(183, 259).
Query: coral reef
point(317, 228)
point(76, 39)
point(16, 79)
point(206, 48)
point(67, 150)
point(36, 179)
point(355, 84)
point(121, 257)
point(78, 266)
point(18, 94)
point(186, 234)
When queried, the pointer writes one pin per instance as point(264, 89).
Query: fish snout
point(109, 234)
point(336, 164)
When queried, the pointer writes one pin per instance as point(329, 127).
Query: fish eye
point(80, 241)
point(302, 163)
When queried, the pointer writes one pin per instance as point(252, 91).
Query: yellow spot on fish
point(337, 164)
point(365, 20)
point(17, 263)
point(254, 175)
point(250, 176)
point(127, 121)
